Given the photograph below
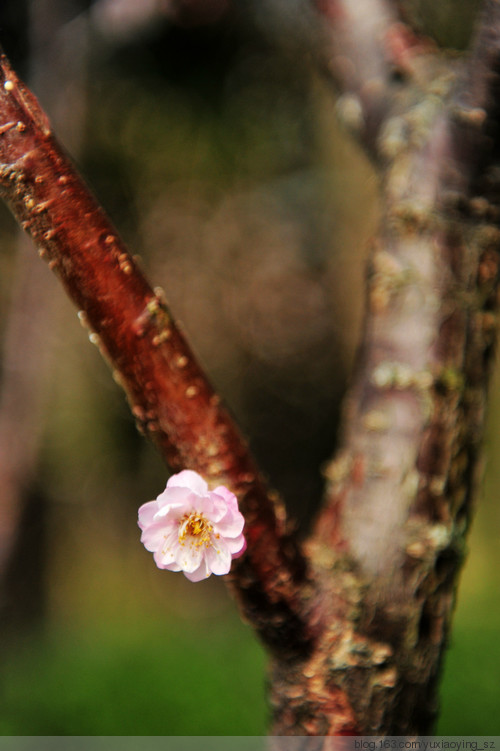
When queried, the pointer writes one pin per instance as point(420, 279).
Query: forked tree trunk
point(357, 617)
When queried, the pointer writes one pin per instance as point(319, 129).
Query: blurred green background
point(208, 135)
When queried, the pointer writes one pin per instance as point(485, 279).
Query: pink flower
point(193, 529)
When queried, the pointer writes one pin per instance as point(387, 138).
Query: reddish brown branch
point(169, 395)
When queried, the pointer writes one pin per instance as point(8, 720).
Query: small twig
point(369, 54)
point(482, 73)
point(169, 395)
point(352, 54)
point(475, 106)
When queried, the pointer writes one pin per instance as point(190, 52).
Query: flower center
point(196, 527)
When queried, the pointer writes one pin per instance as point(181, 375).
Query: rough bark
point(390, 540)
point(357, 621)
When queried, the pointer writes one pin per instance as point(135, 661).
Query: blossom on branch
point(193, 529)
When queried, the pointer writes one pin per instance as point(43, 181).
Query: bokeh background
point(211, 139)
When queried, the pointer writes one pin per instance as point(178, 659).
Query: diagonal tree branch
point(170, 397)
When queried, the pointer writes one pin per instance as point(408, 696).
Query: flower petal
point(188, 479)
point(146, 513)
point(166, 566)
point(231, 525)
point(188, 556)
point(173, 513)
point(202, 572)
point(167, 550)
point(229, 498)
point(236, 546)
point(152, 537)
point(218, 557)
point(175, 497)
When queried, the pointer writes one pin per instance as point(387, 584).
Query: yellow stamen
point(197, 528)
